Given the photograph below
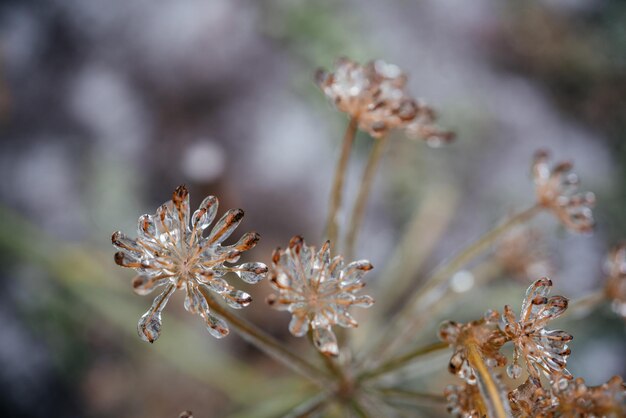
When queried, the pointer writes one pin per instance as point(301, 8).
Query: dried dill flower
point(464, 401)
point(374, 94)
point(531, 400)
point(556, 190)
point(172, 253)
point(485, 333)
point(317, 290)
point(543, 351)
point(522, 254)
point(579, 400)
point(615, 266)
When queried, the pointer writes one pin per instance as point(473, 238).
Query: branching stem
point(332, 225)
point(266, 342)
point(358, 212)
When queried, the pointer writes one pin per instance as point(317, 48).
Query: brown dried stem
point(358, 212)
point(332, 226)
point(266, 342)
point(496, 405)
point(425, 296)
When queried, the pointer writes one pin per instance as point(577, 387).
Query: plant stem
point(436, 285)
point(332, 226)
point(398, 362)
point(409, 395)
point(584, 304)
point(358, 408)
point(310, 407)
point(266, 342)
point(360, 204)
point(497, 406)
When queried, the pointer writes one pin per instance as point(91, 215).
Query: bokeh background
point(105, 107)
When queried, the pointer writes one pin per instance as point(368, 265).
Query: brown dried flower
point(485, 333)
point(531, 400)
point(556, 190)
point(171, 254)
point(577, 400)
point(374, 94)
point(317, 290)
point(543, 351)
point(464, 401)
point(615, 289)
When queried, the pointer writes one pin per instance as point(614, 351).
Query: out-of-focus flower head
point(522, 254)
point(615, 289)
point(485, 333)
point(531, 400)
point(578, 400)
point(374, 94)
point(556, 189)
point(317, 290)
point(543, 351)
point(464, 401)
point(172, 253)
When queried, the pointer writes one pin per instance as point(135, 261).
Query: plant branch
point(309, 407)
point(497, 406)
point(266, 342)
point(399, 362)
point(410, 395)
point(436, 285)
point(358, 212)
point(332, 226)
point(585, 304)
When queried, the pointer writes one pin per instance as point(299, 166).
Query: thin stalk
point(418, 398)
point(497, 406)
point(266, 342)
point(401, 361)
point(309, 407)
point(358, 408)
point(332, 226)
point(585, 304)
point(436, 285)
point(358, 212)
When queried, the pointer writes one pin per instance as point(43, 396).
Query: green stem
point(311, 406)
point(425, 296)
point(266, 342)
point(358, 212)
point(358, 408)
point(332, 226)
point(399, 362)
point(419, 398)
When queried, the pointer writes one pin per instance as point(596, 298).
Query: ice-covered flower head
point(172, 253)
point(556, 189)
point(375, 95)
point(544, 351)
point(317, 290)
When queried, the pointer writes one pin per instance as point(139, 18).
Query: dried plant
point(318, 288)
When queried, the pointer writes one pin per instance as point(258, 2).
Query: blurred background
point(105, 107)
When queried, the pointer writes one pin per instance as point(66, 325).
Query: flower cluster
point(484, 332)
point(544, 351)
point(464, 400)
point(574, 399)
point(173, 253)
point(374, 94)
point(556, 190)
point(615, 289)
point(317, 291)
